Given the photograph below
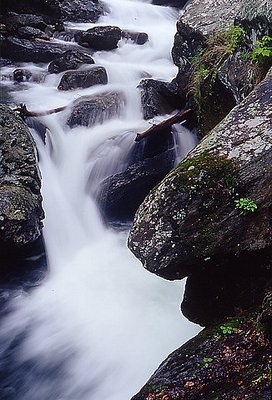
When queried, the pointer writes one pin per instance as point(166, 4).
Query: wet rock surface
point(226, 361)
point(158, 97)
point(31, 50)
point(20, 198)
point(136, 37)
point(121, 194)
point(83, 79)
point(192, 219)
point(71, 59)
point(89, 111)
point(57, 10)
point(100, 37)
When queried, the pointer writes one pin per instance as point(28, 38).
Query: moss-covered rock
point(191, 221)
point(230, 360)
point(20, 198)
point(212, 49)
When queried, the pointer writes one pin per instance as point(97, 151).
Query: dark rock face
point(100, 37)
point(32, 51)
point(137, 37)
point(71, 59)
point(27, 32)
point(170, 3)
point(158, 97)
point(121, 194)
point(81, 10)
point(89, 111)
point(20, 198)
point(83, 79)
point(194, 206)
point(15, 21)
point(57, 10)
point(226, 361)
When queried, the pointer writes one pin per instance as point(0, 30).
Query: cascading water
point(99, 324)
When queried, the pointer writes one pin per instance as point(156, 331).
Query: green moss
point(206, 63)
point(206, 174)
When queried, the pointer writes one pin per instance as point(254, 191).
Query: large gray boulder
point(191, 221)
point(20, 198)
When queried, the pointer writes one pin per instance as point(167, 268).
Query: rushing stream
point(99, 324)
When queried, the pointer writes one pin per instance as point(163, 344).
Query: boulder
point(81, 10)
point(15, 21)
point(20, 198)
point(226, 361)
point(31, 50)
point(71, 59)
point(88, 111)
point(100, 37)
point(27, 32)
point(83, 79)
point(192, 221)
point(57, 10)
point(121, 194)
point(158, 97)
point(136, 37)
point(214, 74)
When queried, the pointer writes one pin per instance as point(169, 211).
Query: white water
point(100, 324)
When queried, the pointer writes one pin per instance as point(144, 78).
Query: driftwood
point(179, 117)
point(24, 112)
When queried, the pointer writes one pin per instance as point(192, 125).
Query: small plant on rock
point(262, 53)
point(245, 205)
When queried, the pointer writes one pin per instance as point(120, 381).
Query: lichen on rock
point(21, 210)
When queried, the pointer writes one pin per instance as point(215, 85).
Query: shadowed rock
point(83, 79)
point(20, 199)
point(71, 59)
point(89, 111)
point(100, 37)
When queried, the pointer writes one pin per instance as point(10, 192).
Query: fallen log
point(179, 117)
point(24, 112)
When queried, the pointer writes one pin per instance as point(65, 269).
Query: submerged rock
point(83, 79)
point(89, 111)
point(137, 37)
point(100, 37)
point(191, 221)
point(20, 198)
point(71, 59)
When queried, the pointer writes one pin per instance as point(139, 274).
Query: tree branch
point(179, 117)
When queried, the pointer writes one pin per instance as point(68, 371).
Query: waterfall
point(99, 324)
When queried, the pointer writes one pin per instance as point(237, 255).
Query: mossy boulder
point(230, 360)
point(20, 198)
point(190, 221)
point(212, 49)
